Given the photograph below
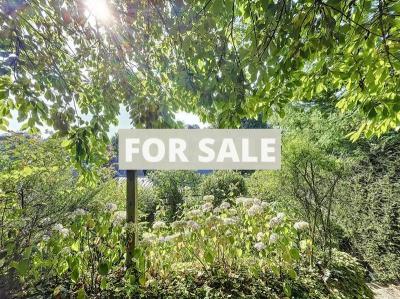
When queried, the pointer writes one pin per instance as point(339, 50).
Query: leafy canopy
point(65, 66)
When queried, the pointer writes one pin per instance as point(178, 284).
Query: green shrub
point(346, 277)
point(148, 203)
point(170, 187)
point(239, 250)
point(265, 185)
point(223, 185)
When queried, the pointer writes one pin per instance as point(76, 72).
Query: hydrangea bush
point(242, 249)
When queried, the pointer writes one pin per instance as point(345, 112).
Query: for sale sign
point(199, 149)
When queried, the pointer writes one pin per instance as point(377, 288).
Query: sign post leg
point(131, 214)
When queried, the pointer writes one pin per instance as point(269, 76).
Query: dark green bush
point(223, 184)
point(170, 186)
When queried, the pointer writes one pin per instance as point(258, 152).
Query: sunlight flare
point(99, 9)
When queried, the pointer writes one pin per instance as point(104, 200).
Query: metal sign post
point(131, 214)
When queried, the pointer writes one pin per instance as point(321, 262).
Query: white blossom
point(256, 201)
point(169, 238)
point(159, 225)
point(119, 217)
point(273, 238)
point(193, 224)
point(229, 221)
point(207, 207)
point(194, 213)
point(265, 204)
point(58, 227)
point(260, 236)
point(111, 207)
point(64, 232)
point(61, 229)
point(217, 210)
point(78, 212)
point(149, 237)
point(275, 221)
point(232, 211)
point(259, 246)
point(255, 210)
point(327, 275)
point(225, 205)
point(280, 215)
point(245, 201)
point(301, 226)
point(46, 238)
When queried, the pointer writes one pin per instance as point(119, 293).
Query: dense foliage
point(349, 190)
point(211, 251)
point(223, 185)
point(62, 238)
point(72, 63)
point(322, 226)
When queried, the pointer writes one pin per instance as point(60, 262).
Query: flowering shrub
point(83, 257)
point(248, 233)
point(240, 249)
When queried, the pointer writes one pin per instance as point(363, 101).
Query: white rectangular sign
point(199, 149)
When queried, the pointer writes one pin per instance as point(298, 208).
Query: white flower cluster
point(217, 210)
point(247, 201)
point(159, 225)
point(273, 238)
point(119, 217)
point(229, 221)
point(169, 238)
point(255, 209)
point(207, 207)
point(149, 238)
point(225, 205)
point(232, 211)
point(259, 246)
point(193, 224)
point(301, 226)
point(260, 236)
point(61, 229)
point(194, 213)
point(111, 207)
point(275, 221)
point(265, 204)
point(78, 212)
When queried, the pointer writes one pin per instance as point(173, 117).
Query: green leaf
point(75, 246)
point(209, 257)
point(22, 266)
point(75, 274)
point(81, 294)
point(103, 268)
point(292, 274)
point(239, 252)
point(103, 283)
